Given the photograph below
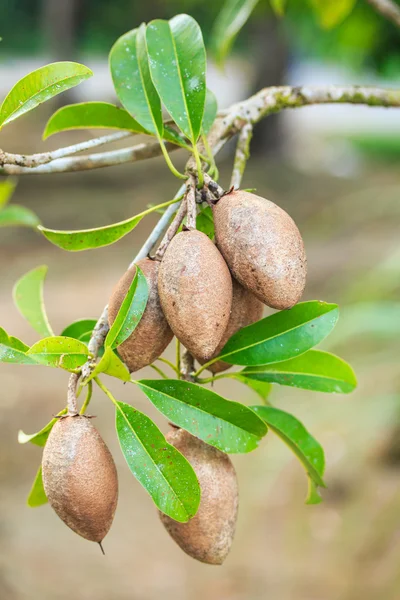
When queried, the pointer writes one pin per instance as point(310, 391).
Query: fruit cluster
point(202, 293)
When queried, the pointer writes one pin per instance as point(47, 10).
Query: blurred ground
point(348, 548)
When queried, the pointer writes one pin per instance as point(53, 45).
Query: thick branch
point(252, 110)
point(172, 229)
point(242, 155)
point(389, 9)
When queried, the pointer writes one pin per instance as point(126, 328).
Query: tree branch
point(92, 161)
point(389, 9)
point(34, 160)
point(242, 155)
point(229, 123)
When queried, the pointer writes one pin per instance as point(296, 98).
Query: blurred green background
point(335, 170)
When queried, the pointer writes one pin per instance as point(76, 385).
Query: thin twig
point(242, 155)
point(34, 160)
point(172, 229)
point(389, 9)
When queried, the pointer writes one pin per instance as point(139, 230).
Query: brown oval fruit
point(262, 246)
point(246, 309)
point(80, 478)
point(208, 536)
point(195, 289)
point(153, 334)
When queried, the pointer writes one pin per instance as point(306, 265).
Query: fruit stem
point(205, 366)
point(169, 363)
point(168, 160)
point(191, 204)
point(172, 229)
point(71, 396)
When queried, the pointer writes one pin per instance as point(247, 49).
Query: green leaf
point(37, 495)
point(296, 437)
point(39, 86)
point(315, 370)
point(262, 388)
point(278, 6)
point(101, 115)
point(12, 355)
point(12, 342)
point(40, 437)
point(229, 22)
point(18, 216)
point(28, 298)
point(80, 330)
point(7, 188)
point(332, 12)
point(229, 426)
point(91, 115)
point(130, 312)
point(133, 84)
point(205, 222)
point(177, 60)
point(281, 336)
point(210, 111)
point(86, 239)
point(111, 365)
point(59, 351)
point(164, 473)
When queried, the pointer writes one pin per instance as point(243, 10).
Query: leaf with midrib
point(87, 239)
point(111, 365)
point(28, 298)
point(80, 330)
point(314, 370)
point(210, 111)
point(281, 336)
point(39, 86)
point(133, 84)
point(37, 495)
point(227, 425)
point(130, 311)
point(40, 437)
point(177, 61)
point(101, 115)
point(163, 471)
point(298, 439)
point(229, 22)
point(58, 351)
point(15, 215)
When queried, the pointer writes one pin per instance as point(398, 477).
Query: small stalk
point(106, 391)
point(213, 172)
point(173, 170)
point(87, 399)
point(170, 364)
point(191, 204)
point(159, 371)
point(172, 230)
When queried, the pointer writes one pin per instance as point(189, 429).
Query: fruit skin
point(195, 289)
point(153, 334)
point(246, 309)
point(262, 246)
point(208, 536)
point(80, 478)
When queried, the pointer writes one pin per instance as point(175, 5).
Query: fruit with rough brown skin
point(153, 334)
point(80, 478)
point(246, 309)
point(208, 536)
point(262, 246)
point(195, 289)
